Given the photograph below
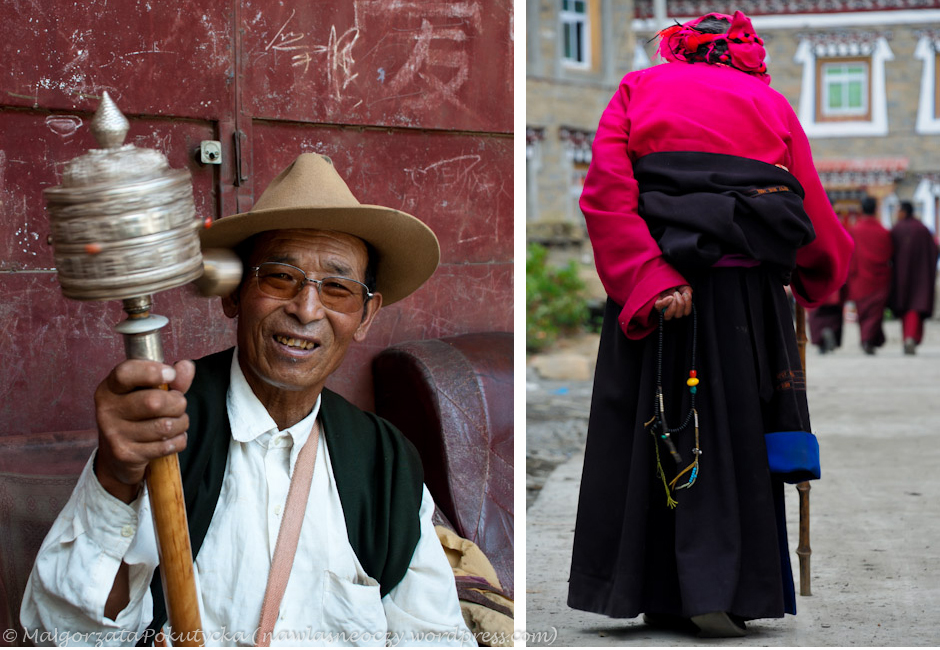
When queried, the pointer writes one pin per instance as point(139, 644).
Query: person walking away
point(702, 202)
point(915, 271)
point(825, 322)
point(870, 275)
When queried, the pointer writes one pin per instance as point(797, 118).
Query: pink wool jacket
point(703, 108)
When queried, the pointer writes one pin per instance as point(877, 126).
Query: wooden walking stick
point(124, 227)
point(803, 550)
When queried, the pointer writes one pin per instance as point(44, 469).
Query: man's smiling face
point(288, 348)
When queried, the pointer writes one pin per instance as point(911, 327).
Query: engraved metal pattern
point(123, 223)
point(113, 218)
point(107, 166)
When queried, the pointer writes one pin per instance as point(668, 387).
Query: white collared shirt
point(329, 599)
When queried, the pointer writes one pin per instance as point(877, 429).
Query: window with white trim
point(843, 88)
point(533, 167)
point(577, 146)
point(936, 74)
point(927, 202)
point(575, 188)
point(928, 105)
point(575, 33)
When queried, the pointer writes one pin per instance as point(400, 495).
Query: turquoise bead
point(693, 389)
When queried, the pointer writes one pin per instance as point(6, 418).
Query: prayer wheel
point(123, 227)
point(123, 223)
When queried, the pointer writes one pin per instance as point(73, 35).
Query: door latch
point(210, 152)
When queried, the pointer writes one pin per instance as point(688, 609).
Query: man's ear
point(230, 303)
point(371, 309)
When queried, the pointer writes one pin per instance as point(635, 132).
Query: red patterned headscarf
point(740, 47)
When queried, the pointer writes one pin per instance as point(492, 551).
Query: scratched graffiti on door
point(411, 98)
point(337, 51)
point(427, 45)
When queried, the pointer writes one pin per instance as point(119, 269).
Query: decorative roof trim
point(861, 172)
point(575, 136)
point(858, 179)
point(886, 164)
point(534, 134)
point(643, 9)
point(577, 143)
point(768, 23)
point(843, 43)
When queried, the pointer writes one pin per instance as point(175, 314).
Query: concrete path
point(875, 516)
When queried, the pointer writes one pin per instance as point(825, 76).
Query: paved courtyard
point(875, 514)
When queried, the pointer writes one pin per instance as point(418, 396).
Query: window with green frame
point(844, 87)
point(574, 28)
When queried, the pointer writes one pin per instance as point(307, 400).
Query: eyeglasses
point(284, 281)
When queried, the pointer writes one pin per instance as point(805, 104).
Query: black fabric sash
point(378, 474)
point(702, 206)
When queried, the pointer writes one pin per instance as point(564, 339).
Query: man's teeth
point(295, 343)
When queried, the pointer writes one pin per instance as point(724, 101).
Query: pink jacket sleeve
point(823, 265)
point(628, 259)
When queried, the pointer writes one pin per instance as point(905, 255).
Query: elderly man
point(249, 422)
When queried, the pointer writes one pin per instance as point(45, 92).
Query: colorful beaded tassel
point(660, 430)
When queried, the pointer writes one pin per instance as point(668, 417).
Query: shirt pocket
point(353, 611)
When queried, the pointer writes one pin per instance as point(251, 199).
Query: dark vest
point(378, 476)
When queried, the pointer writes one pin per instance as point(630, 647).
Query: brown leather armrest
point(453, 398)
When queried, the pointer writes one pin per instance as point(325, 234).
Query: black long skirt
point(724, 546)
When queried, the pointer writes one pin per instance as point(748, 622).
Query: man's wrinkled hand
point(138, 421)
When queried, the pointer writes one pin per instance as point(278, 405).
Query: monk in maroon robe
point(870, 275)
point(915, 270)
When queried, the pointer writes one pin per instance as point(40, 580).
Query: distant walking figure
point(870, 275)
point(915, 271)
point(825, 322)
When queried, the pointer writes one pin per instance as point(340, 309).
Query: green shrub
point(555, 299)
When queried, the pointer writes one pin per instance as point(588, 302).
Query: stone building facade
point(862, 75)
point(576, 52)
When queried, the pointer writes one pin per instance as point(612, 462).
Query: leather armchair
point(453, 398)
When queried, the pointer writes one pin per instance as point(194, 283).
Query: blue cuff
point(793, 456)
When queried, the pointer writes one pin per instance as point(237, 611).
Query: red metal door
point(412, 100)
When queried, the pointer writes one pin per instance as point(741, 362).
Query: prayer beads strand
point(658, 427)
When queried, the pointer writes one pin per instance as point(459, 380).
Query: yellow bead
point(692, 381)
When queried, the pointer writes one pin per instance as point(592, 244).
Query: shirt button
point(277, 510)
point(127, 531)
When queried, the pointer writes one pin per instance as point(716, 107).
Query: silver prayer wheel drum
point(123, 223)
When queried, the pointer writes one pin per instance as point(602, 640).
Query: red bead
point(692, 373)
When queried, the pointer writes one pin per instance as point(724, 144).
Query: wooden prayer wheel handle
point(176, 556)
point(141, 333)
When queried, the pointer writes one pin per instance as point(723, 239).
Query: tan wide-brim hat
point(311, 194)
